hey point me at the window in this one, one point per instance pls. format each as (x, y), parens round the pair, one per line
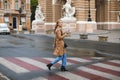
(6, 19)
(23, 20)
(16, 5)
(5, 4)
(22, 6)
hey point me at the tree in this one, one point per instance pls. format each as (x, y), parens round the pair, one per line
(34, 3)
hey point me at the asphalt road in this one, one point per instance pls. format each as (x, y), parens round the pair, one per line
(33, 49)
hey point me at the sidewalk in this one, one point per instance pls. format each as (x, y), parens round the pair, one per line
(113, 35)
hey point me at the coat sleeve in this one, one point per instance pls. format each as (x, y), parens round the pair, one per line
(59, 34)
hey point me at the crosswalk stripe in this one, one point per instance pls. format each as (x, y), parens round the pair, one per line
(34, 62)
(44, 60)
(115, 61)
(89, 75)
(117, 73)
(96, 72)
(23, 64)
(80, 59)
(39, 78)
(55, 77)
(72, 77)
(112, 63)
(99, 58)
(51, 59)
(73, 61)
(115, 68)
(12, 66)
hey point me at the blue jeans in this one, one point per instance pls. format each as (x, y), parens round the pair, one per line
(63, 58)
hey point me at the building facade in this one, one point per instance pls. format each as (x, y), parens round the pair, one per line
(108, 14)
(103, 11)
(108, 10)
(15, 13)
(53, 11)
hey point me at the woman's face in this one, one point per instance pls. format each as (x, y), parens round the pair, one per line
(60, 23)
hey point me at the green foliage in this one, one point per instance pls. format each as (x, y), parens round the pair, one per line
(34, 3)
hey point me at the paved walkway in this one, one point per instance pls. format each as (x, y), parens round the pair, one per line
(113, 35)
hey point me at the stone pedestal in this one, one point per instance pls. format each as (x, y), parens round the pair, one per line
(103, 38)
(50, 28)
(38, 26)
(86, 27)
(83, 36)
(32, 32)
(69, 27)
(113, 25)
(68, 19)
(69, 24)
(108, 25)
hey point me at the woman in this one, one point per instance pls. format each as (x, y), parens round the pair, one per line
(59, 48)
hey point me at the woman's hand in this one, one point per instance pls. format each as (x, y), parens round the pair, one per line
(66, 34)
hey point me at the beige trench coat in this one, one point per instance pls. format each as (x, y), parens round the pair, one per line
(59, 43)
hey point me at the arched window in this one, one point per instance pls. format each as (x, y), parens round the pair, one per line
(5, 4)
(16, 5)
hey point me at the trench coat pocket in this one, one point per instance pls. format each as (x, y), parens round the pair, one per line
(56, 51)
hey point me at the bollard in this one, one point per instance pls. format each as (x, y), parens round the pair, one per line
(83, 36)
(103, 38)
(49, 31)
(32, 32)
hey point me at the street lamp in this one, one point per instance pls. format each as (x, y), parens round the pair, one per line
(20, 11)
(89, 16)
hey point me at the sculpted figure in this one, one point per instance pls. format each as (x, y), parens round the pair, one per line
(39, 14)
(69, 11)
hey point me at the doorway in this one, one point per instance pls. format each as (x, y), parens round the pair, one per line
(14, 22)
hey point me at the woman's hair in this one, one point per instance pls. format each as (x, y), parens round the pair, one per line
(56, 25)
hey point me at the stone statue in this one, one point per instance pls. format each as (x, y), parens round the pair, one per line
(39, 14)
(38, 23)
(69, 11)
